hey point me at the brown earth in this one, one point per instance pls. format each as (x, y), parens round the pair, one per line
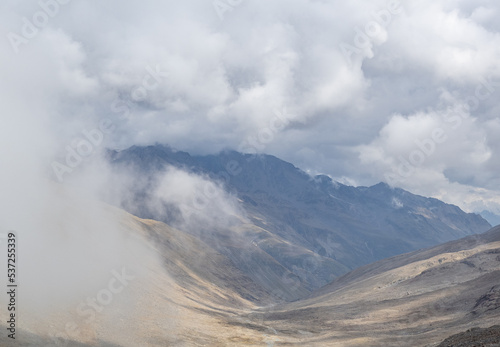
(475, 337)
(195, 296)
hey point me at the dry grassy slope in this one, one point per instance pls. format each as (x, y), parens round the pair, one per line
(195, 296)
(416, 299)
(185, 299)
(242, 244)
(330, 228)
(199, 268)
(388, 264)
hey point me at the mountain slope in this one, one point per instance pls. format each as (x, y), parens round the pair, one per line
(306, 230)
(416, 299)
(487, 337)
(186, 293)
(177, 291)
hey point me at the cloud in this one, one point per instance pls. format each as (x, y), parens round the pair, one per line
(176, 73)
(204, 204)
(441, 153)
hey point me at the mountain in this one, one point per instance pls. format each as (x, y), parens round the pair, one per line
(184, 292)
(487, 337)
(492, 218)
(302, 230)
(415, 299)
(176, 291)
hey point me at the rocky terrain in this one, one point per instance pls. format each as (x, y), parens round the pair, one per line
(189, 294)
(181, 294)
(302, 229)
(416, 299)
(487, 337)
(275, 262)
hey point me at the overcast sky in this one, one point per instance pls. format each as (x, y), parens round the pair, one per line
(364, 91)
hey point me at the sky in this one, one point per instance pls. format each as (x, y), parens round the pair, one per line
(363, 91)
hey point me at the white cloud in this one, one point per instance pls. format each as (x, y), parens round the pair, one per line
(203, 203)
(219, 81)
(435, 153)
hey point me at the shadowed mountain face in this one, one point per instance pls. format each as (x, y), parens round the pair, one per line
(195, 296)
(300, 230)
(492, 218)
(178, 290)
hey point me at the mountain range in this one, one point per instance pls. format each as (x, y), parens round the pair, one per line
(197, 296)
(248, 250)
(298, 230)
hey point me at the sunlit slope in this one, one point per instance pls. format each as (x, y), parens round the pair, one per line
(157, 286)
(415, 299)
(315, 228)
(179, 292)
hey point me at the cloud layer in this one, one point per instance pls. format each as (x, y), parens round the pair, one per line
(363, 85)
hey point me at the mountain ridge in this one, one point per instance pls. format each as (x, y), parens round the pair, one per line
(415, 299)
(189, 293)
(308, 230)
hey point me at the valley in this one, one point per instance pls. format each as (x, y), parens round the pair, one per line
(191, 294)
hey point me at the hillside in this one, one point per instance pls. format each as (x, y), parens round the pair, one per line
(166, 289)
(487, 337)
(307, 230)
(415, 299)
(183, 292)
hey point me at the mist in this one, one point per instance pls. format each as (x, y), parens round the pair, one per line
(81, 79)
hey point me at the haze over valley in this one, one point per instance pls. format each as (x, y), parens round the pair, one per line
(249, 173)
